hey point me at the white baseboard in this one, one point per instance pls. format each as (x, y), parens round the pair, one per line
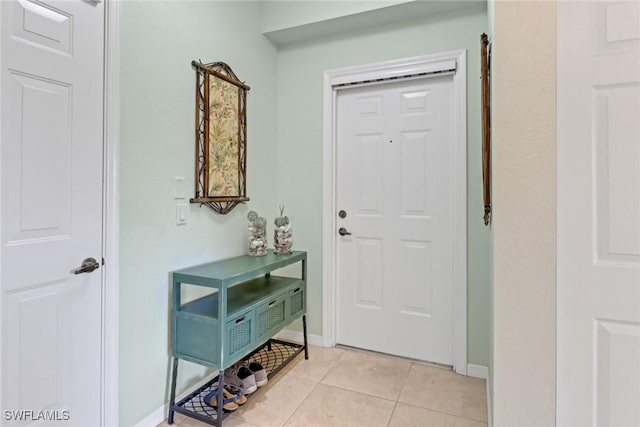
(160, 414)
(291, 335)
(477, 371)
(156, 417)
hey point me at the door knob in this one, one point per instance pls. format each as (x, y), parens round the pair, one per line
(343, 232)
(87, 266)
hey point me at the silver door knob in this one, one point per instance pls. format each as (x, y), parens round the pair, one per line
(343, 232)
(87, 266)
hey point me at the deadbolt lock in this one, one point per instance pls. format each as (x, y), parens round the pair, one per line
(342, 213)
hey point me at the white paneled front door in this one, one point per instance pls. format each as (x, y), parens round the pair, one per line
(51, 211)
(395, 186)
(598, 364)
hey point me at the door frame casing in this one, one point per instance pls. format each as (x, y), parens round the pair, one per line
(111, 220)
(382, 70)
(109, 415)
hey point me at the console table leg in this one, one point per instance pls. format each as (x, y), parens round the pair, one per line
(172, 401)
(304, 332)
(219, 409)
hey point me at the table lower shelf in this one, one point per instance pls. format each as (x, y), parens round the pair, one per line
(273, 356)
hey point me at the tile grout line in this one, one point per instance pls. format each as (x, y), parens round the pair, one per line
(335, 362)
(406, 379)
(393, 411)
(393, 356)
(429, 409)
(397, 401)
(360, 351)
(445, 413)
(300, 404)
(312, 389)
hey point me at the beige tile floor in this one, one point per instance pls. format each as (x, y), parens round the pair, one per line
(348, 387)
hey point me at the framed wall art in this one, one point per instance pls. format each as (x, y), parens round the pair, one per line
(221, 137)
(485, 68)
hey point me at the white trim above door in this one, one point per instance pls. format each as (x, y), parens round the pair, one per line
(437, 64)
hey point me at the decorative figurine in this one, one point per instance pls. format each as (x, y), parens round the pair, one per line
(257, 234)
(282, 240)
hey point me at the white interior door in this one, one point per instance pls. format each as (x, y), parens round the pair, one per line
(598, 364)
(395, 184)
(51, 211)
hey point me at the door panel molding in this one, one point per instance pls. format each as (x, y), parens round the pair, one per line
(455, 62)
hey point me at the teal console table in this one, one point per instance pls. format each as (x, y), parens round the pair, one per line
(237, 321)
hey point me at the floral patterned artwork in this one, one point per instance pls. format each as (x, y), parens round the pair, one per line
(223, 138)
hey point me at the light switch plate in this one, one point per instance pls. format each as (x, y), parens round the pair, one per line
(182, 212)
(179, 187)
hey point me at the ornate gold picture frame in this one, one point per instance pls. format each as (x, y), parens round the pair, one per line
(221, 137)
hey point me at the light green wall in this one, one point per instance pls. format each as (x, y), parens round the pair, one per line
(295, 21)
(300, 74)
(159, 41)
(278, 15)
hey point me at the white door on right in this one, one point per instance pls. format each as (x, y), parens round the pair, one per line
(598, 337)
(395, 186)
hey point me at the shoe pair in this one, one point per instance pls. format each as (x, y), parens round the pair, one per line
(247, 378)
(231, 399)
